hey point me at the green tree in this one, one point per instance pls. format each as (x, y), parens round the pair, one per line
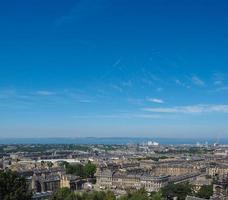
(76, 169)
(180, 190)
(50, 164)
(61, 194)
(64, 164)
(90, 170)
(13, 186)
(156, 196)
(67, 194)
(86, 171)
(110, 196)
(96, 195)
(206, 191)
(136, 195)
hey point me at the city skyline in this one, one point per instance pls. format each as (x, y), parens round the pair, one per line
(110, 68)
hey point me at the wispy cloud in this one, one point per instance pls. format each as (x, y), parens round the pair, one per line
(85, 101)
(225, 88)
(197, 81)
(45, 93)
(149, 78)
(218, 82)
(117, 87)
(147, 81)
(219, 78)
(79, 96)
(136, 101)
(154, 100)
(43, 98)
(127, 83)
(181, 83)
(119, 116)
(190, 109)
(117, 62)
(159, 89)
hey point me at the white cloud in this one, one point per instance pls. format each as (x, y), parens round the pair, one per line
(45, 93)
(197, 81)
(154, 100)
(192, 109)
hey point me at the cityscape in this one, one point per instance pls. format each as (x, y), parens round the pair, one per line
(113, 100)
(187, 171)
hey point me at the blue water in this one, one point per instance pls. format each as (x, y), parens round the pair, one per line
(110, 141)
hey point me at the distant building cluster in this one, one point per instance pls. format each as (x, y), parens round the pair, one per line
(120, 167)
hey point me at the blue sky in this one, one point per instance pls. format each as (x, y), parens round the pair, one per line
(154, 68)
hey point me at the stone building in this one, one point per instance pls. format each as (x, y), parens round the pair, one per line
(52, 180)
(151, 183)
(218, 169)
(200, 181)
(220, 190)
(172, 168)
(107, 178)
(175, 169)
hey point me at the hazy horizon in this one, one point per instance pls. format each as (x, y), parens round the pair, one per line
(114, 68)
(112, 140)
